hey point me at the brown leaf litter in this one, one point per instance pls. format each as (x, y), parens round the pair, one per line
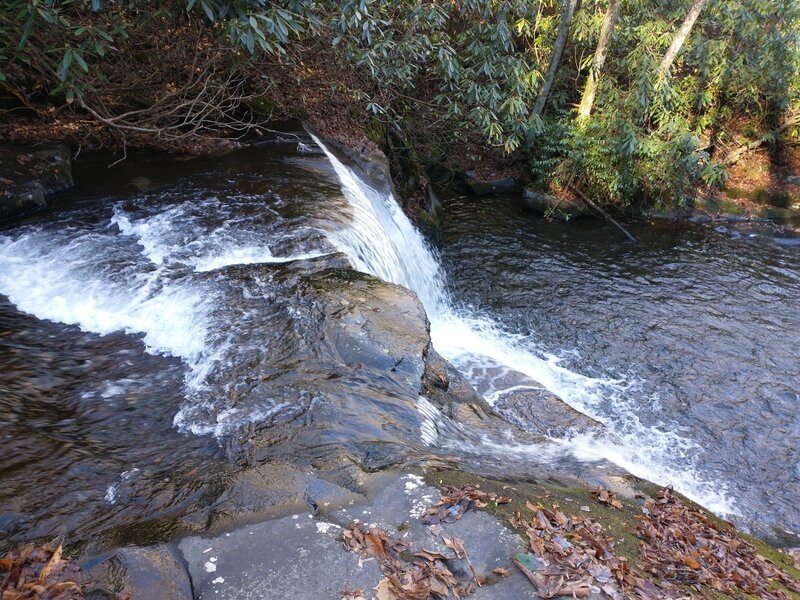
(682, 544)
(456, 502)
(41, 573)
(607, 497)
(424, 576)
(573, 556)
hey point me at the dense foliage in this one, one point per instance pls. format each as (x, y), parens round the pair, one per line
(456, 80)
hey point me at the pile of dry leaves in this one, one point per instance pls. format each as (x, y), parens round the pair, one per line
(607, 497)
(39, 573)
(456, 502)
(573, 556)
(423, 577)
(683, 545)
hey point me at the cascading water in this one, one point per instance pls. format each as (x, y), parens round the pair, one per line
(179, 300)
(382, 241)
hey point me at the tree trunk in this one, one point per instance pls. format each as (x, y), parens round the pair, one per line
(558, 49)
(680, 37)
(734, 156)
(600, 53)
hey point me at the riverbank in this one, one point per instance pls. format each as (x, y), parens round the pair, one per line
(262, 440)
(419, 535)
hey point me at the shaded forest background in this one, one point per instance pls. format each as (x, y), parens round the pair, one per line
(615, 99)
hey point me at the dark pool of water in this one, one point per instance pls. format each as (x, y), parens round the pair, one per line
(703, 327)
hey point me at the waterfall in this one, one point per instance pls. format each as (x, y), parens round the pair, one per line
(382, 241)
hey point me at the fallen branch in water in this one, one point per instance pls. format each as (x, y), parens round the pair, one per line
(607, 216)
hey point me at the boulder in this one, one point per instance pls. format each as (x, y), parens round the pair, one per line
(301, 556)
(541, 411)
(532, 407)
(561, 209)
(141, 573)
(28, 174)
(275, 489)
(21, 199)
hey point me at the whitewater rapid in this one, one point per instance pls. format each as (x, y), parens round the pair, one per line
(382, 241)
(137, 272)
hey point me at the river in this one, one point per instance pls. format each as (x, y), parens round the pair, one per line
(124, 344)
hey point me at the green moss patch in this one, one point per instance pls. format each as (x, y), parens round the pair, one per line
(573, 497)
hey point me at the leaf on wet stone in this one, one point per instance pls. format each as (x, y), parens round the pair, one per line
(40, 572)
(431, 555)
(425, 577)
(607, 497)
(457, 501)
(569, 553)
(456, 545)
(385, 591)
(602, 573)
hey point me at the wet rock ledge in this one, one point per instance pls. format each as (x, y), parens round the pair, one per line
(28, 174)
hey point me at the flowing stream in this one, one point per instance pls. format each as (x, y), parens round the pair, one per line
(155, 321)
(383, 242)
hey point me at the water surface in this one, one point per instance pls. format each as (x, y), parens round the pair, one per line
(701, 329)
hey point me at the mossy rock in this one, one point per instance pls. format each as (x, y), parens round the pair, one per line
(760, 195)
(573, 496)
(29, 173)
(560, 209)
(486, 187)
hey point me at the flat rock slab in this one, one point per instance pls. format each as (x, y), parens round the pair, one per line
(293, 557)
(302, 556)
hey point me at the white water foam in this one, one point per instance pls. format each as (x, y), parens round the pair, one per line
(129, 274)
(382, 241)
(163, 241)
(60, 280)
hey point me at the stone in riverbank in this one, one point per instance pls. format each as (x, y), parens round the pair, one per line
(485, 187)
(541, 411)
(28, 174)
(302, 555)
(560, 209)
(156, 572)
(355, 404)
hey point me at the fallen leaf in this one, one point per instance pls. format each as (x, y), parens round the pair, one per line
(385, 591)
(431, 556)
(456, 545)
(54, 560)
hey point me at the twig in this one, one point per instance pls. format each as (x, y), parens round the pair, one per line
(733, 156)
(611, 219)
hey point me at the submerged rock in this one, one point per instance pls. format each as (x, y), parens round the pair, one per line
(28, 174)
(20, 199)
(541, 411)
(561, 209)
(140, 572)
(275, 489)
